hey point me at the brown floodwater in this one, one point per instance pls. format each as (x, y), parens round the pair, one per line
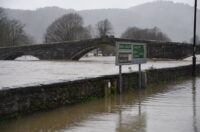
(169, 108)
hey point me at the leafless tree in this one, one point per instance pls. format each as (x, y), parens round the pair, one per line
(2, 25)
(145, 34)
(12, 32)
(2, 15)
(16, 34)
(68, 27)
(104, 28)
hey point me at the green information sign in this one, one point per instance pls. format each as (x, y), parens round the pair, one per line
(130, 53)
(138, 51)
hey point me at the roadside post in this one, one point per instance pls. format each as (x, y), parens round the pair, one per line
(139, 76)
(128, 53)
(120, 79)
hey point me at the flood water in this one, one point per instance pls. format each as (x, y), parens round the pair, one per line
(19, 73)
(169, 108)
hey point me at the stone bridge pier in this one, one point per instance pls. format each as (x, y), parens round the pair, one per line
(74, 50)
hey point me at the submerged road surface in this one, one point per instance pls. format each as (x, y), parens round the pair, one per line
(171, 108)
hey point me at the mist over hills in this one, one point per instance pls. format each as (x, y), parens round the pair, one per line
(174, 19)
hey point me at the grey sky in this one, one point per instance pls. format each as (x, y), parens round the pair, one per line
(77, 4)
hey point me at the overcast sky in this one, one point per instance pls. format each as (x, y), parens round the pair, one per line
(77, 4)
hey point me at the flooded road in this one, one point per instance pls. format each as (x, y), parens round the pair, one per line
(171, 108)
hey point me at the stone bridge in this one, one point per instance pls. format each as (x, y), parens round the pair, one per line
(74, 50)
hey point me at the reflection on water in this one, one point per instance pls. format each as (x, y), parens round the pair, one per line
(194, 105)
(173, 108)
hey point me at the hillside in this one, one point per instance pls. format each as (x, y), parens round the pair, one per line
(175, 19)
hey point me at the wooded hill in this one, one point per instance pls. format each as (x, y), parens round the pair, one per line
(174, 19)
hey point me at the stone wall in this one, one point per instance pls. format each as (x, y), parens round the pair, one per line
(30, 99)
(20, 101)
(169, 74)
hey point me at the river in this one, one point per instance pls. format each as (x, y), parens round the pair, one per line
(165, 108)
(19, 73)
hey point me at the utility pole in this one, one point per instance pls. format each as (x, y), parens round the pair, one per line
(194, 40)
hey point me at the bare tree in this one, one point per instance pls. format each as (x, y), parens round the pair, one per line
(145, 34)
(104, 28)
(12, 32)
(68, 27)
(16, 34)
(2, 16)
(2, 26)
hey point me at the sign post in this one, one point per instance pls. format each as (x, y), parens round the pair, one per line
(120, 78)
(139, 54)
(140, 76)
(130, 53)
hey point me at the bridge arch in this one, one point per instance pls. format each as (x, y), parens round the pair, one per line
(27, 58)
(78, 55)
(16, 55)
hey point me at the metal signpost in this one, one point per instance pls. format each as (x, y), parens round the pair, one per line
(130, 53)
(194, 41)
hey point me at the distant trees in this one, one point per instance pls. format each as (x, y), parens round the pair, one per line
(2, 16)
(145, 34)
(197, 40)
(104, 28)
(2, 25)
(15, 34)
(68, 27)
(12, 32)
